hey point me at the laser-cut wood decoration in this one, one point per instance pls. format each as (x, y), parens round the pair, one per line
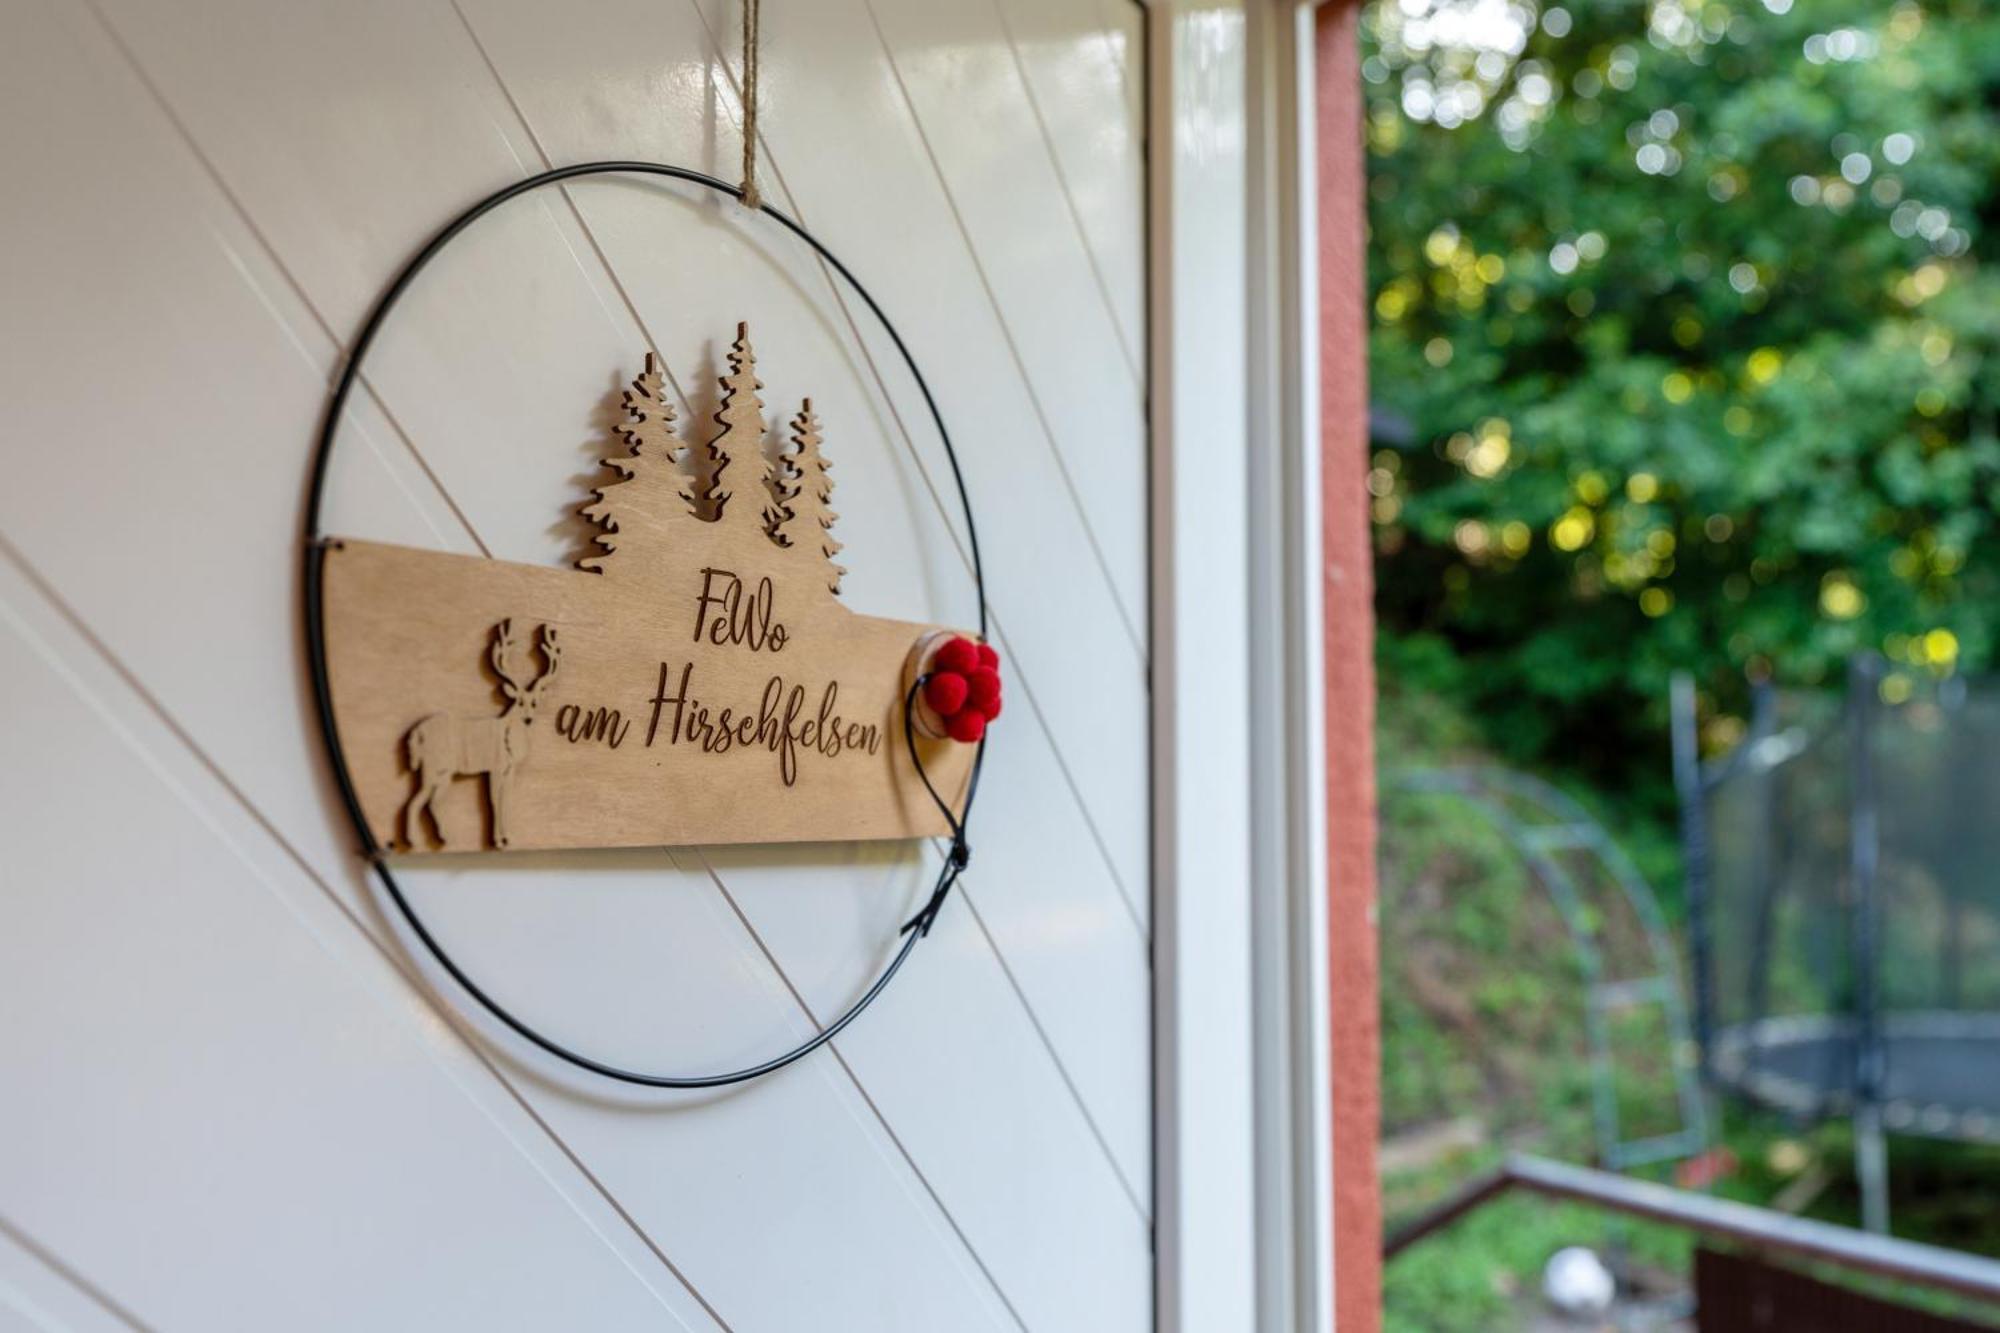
(696, 679)
(442, 747)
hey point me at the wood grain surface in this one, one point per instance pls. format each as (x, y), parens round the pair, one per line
(696, 680)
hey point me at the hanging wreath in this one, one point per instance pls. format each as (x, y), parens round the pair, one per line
(696, 678)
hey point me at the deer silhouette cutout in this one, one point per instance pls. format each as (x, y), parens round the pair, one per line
(442, 747)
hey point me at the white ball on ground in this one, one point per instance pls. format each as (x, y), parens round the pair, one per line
(1578, 1284)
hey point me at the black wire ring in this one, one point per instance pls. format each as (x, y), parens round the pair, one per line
(316, 545)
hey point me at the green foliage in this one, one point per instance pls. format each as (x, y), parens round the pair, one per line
(1482, 1023)
(1692, 328)
(1482, 1001)
(1685, 316)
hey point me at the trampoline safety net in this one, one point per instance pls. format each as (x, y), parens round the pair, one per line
(1844, 875)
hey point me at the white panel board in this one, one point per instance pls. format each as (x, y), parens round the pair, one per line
(978, 124)
(977, 1103)
(284, 159)
(840, 1136)
(1051, 599)
(1056, 915)
(1084, 74)
(39, 1296)
(236, 1123)
(1026, 804)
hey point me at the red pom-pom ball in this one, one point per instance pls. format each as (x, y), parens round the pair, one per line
(982, 689)
(991, 710)
(987, 657)
(966, 727)
(956, 655)
(945, 692)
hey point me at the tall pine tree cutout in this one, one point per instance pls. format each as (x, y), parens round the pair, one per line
(649, 497)
(741, 417)
(809, 526)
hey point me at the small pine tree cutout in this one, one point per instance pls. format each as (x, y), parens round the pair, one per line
(809, 526)
(783, 483)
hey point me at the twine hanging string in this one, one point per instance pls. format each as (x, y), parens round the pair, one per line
(751, 197)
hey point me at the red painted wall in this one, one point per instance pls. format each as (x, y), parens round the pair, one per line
(1350, 674)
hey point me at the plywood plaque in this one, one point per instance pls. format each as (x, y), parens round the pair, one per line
(696, 679)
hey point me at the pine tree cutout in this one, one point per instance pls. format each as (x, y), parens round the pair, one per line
(783, 482)
(741, 417)
(649, 494)
(809, 526)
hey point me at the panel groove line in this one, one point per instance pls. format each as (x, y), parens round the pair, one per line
(962, 74)
(483, 545)
(836, 288)
(1103, 284)
(443, 495)
(396, 958)
(952, 309)
(964, 890)
(249, 220)
(1066, 1069)
(119, 730)
(427, 990)
(1022, 680)
(1114, 14)
(853, 1076)
(1034, 1019)
(1102, 176)
(1037, 1021)
(1005, 320)
(103, 649)
(838, 293)
(971, 116)
(1064, 467)
(670, 373)
(97, 1301)
(1096, 1130)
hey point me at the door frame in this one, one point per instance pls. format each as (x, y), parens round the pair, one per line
(1242, 1076)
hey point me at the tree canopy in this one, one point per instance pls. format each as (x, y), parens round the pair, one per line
(1682, 352)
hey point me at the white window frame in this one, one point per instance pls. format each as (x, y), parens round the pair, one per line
(1242, 1078)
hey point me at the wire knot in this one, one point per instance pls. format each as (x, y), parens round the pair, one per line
(927, 915)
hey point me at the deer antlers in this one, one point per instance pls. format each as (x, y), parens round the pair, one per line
(502, 656)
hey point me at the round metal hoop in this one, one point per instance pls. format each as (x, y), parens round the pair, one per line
(316, 545)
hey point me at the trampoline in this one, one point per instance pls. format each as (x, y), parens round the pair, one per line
(1843, 875)
(1941, 1074)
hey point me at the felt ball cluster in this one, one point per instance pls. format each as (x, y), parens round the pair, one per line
(964, 688)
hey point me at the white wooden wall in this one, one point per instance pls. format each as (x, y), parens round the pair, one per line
(229, 1099)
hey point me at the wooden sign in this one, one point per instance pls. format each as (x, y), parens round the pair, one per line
(694, 680)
